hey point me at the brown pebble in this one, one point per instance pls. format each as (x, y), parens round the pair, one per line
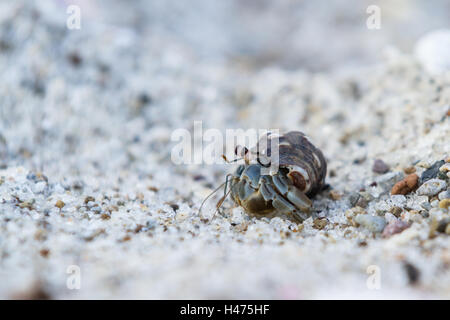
(445, 203)
(113, 208)
(151, 188)
(395, 226)
(362, 202)
(59, 204)
(40, 235)
(126, 238)
(74, 58)
(319, 224)
(242, 227)
(44, 252)
(433, 228)
(406, 185)
(335, 195)
(140, 196)
(379, 166)
(88, 199)
(26, 205)
(396, 211)
(105, 216)
(409, 170)
(362, 243)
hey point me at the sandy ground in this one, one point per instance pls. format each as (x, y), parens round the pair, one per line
(92, 206)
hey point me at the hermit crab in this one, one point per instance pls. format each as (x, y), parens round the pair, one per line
(300, 170)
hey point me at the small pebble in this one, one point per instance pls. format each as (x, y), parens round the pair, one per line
(406, 185)
(319, 224)
(335, 195)
(416, 202)
(445, 204)
(412, 272)
(96, 209)
(387, 180)
(379, 166)
(362, 202)
(237, 217)
(437, 213)
(59, 204)
(386, 205)
(174, 206)
(151, 188)
(432, 171)
(366, 195)
(353, 198)
(395, 226)
(44, 252)
(88, 199)
(151, 224)
(409, 170)
(444, 195)
(27, 204)
(105, 216)
(350, 213)
(443, 226)
(182, 216)
(75, 59)
(426, 205)
(445, 168)
(40, 186)
(396, 211)
(434, 203)
(423, 164)
(373, 223)
(432, 187)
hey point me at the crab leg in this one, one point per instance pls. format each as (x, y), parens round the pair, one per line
(278, 202)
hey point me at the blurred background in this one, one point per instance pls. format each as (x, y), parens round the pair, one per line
(315, 35)
(72, 86)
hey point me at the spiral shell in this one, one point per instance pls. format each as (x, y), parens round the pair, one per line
(306, 163)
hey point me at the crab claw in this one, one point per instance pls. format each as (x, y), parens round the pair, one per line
(300, 200)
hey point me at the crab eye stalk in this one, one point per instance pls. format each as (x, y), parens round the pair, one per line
(240, 151)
